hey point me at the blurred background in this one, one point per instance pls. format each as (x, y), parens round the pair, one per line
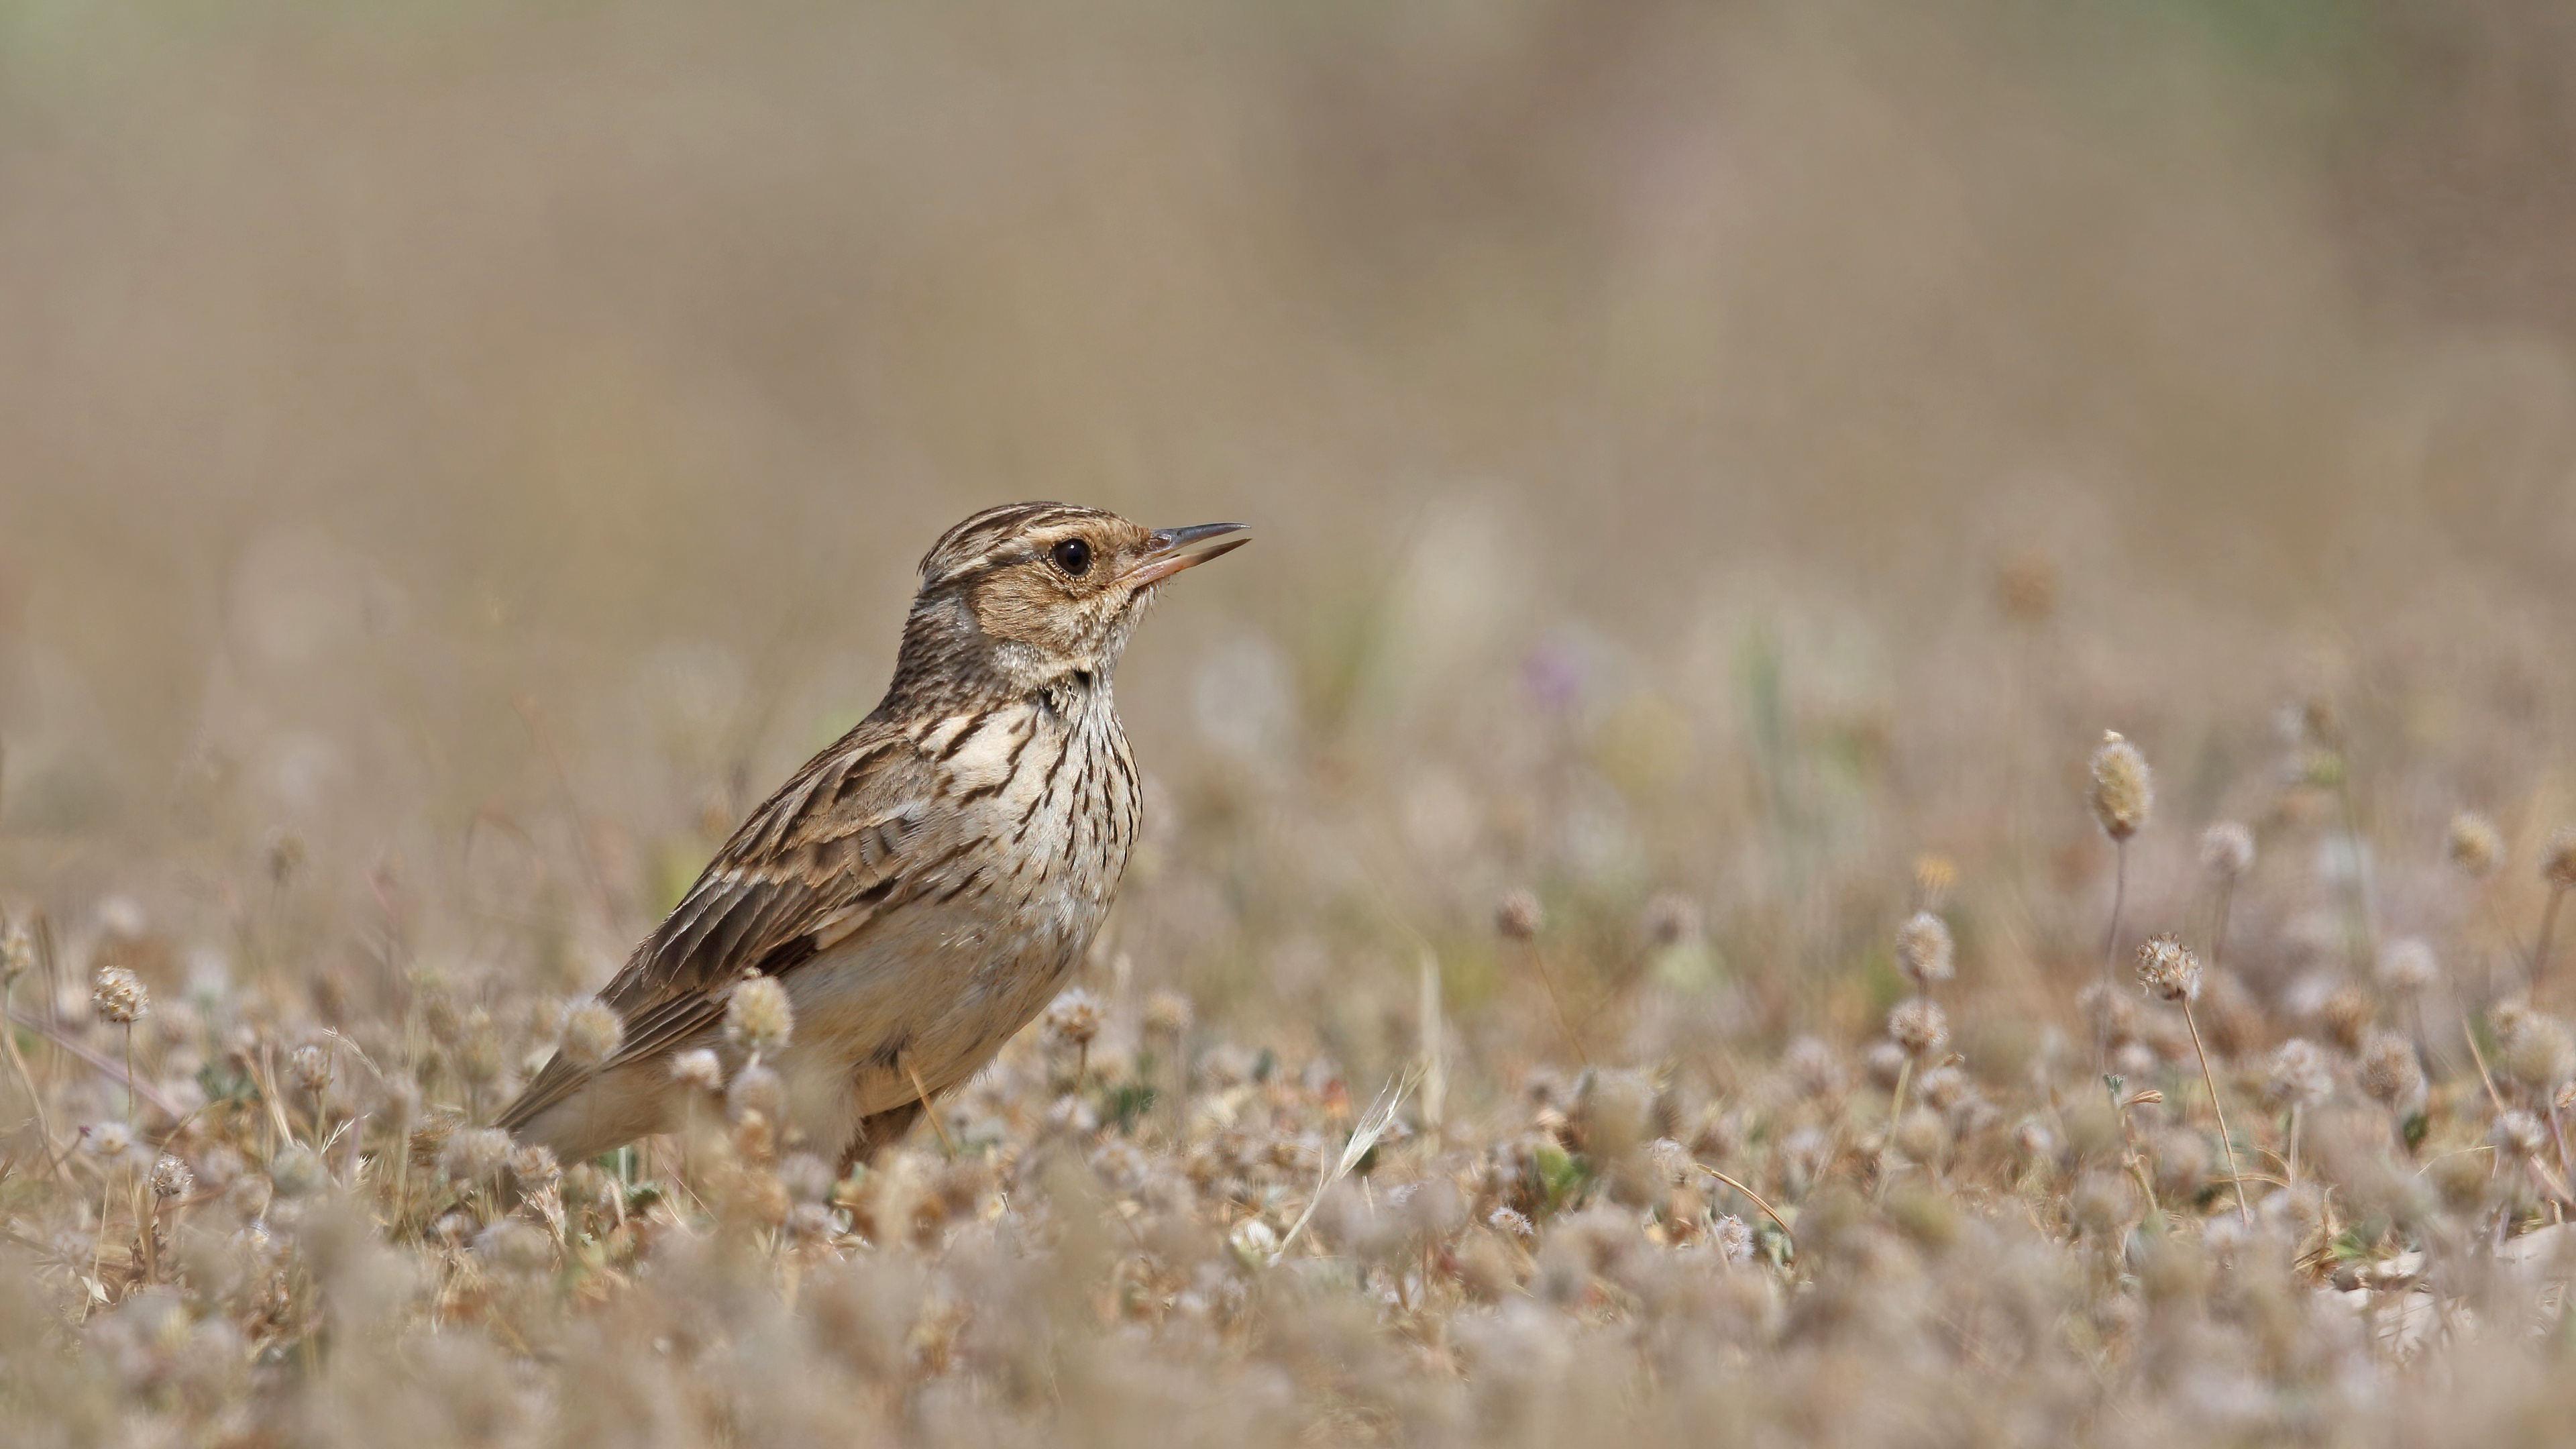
(455, 457)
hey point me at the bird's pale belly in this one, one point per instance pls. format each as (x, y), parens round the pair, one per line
(925, 1005)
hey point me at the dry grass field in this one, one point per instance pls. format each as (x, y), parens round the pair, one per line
(1629, 943)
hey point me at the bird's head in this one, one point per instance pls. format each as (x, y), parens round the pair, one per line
(1028, 594)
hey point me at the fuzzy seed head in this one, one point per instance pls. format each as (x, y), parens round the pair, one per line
(2299, 1075)
(534, 1167)
(1167, 1013)
(310, 1066)
(592, 1033)
(2124, 790)
(2558, 860)
(171, 1178)
(296, 1172)
(806, 1177)
(2168, 970)
(514, 1248)
(2476, 846)
(755, 1089)
(2517, 1136)
(1923, 1135)
(1920, 1027)
(2227, 850)
(758, 1018)
(1074, 1018)
(109, 1141)
(1925, 951)
(2346, 1016)
(119, 996)
(1519, 916)
(2538, 1051)
(1732, 1238)
(698, 1071)
(474, 1154)
(2391, 1074)
(2407, 967)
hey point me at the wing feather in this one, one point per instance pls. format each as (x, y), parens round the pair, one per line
(810, 869)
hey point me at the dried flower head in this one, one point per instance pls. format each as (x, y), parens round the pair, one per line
(1075, 1017)
(2032, 1139)
(2227, 850)
(1922, 1135)
(477, 1058)
(2407, 967)
(1811, 1067)
(592, 1033)
(2517, 1136)
(2477, 848)
(1919, 1025)
(1925, 951)
(474, 1154)
(1732, 1238)
(698, 1070)
(2558, 859)
(297, 1171)
(2167, 969)
(171, 1178)
(2390, 1073)
(806, 1177)
(2538, 1051)
(2346, 1014)
(2124, 790)
(758, 1018)
(1167, 1013)
(514, 1248)
(755, 1089)
(1519, 916)
(534, 1167)
(2299, 1075)
(119, 996)
(109, 1141)
(310, 1066)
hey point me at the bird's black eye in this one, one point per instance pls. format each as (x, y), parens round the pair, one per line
(1073, 556)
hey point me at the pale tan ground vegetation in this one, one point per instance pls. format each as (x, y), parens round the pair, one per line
(1640, 936)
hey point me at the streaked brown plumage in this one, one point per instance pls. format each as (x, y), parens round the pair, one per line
(922, 887)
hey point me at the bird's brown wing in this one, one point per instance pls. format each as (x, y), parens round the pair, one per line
(811, 868)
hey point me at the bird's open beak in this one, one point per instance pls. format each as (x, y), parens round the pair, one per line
(1174, 549)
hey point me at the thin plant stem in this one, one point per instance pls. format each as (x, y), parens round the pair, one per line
(129, 1072)
(2540, 949)
(1895, 1106)
(1573, 1038)
(2218, 931)
(1767, 1209)
(26, 1078)
(2494, 1097)
(2363, 938)
(2290, 1154)
(946, 1146)
(2111, 963)
(2226, 1139)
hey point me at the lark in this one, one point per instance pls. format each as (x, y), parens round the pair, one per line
(923, 887)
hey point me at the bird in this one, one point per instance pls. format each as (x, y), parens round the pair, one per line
(926, 884)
